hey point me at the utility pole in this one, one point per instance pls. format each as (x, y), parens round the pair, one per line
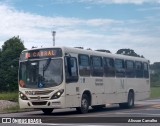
(54, 34)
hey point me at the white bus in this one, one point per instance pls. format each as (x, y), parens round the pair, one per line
(64, 77)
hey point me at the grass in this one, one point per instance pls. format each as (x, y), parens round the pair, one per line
(155, 92)
(10, 96)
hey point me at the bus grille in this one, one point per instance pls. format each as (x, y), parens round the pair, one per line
(35, 98)
(39, 103)
(43, 92)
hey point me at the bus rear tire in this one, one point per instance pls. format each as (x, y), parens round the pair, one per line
(130, 102)
(47, 111)
(84, 105)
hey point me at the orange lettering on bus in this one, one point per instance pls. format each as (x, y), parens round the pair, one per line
(34, 54)
(45, 53)
(28, 55)
(49, 53)
(38, 54)
(41, 53)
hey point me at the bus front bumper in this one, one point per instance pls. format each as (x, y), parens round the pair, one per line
(55, 103)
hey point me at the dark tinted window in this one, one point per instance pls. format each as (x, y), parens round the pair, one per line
(109, 70)
(139, 69)
(119, 66)
(71, 71)
(130, 71)
(43, 73)
(146, 70)
(84, 65)
(97, 69)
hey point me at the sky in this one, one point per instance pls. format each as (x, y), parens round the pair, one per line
(95, 24)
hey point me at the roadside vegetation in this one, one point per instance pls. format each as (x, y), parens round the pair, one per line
(155, 92)
(155, 80)
(14, 109)
(13, 97)
(10, 96)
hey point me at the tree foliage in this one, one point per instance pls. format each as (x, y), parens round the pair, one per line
(128, 52)
(155, 74)
(9, 58)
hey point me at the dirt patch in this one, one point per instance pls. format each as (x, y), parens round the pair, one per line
(4, 104)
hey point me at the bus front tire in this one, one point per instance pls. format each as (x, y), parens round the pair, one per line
(84, 105)
(130, 102)
(47, 111)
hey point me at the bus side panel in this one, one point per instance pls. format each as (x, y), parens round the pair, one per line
(121, 90)
(98, 91)
(140, 86)
(72, 96)
(95, 86)
(110, 90)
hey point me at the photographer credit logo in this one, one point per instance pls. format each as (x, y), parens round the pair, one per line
(22, 120)
(6, 120)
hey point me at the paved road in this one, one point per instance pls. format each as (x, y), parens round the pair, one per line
(148, 110)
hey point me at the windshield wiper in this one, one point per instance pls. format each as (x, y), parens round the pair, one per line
(47, 64)
(45, 67)
(41, 79)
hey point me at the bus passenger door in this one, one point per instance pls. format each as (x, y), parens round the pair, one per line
(120, 80)
(71, 78)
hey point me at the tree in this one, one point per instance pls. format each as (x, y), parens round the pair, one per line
(128, 52)
(155, 74)
(9, 58)
(1, 79)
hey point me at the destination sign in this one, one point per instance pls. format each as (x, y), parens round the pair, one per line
(41, 53)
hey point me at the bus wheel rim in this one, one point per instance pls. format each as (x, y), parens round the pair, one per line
(84, 104)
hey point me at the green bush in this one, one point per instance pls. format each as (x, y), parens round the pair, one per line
(155, 92)
(11, 96)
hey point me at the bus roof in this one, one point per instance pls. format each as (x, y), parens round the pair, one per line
(104, 54)
(93, 52)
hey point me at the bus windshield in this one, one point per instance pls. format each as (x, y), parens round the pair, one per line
(42, 73)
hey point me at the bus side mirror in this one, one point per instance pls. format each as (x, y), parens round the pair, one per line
(67, 69)
(71, 62)
(70, 69)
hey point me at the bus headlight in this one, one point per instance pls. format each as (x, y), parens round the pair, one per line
(23, 96)
(57, 94)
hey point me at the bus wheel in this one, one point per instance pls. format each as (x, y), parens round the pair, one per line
(84, 104)
(130, 102)
(47, 111)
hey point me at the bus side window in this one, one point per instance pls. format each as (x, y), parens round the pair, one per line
(84, 65)
(109, 70)
(97, 66)
(119, 65)
(146, 71)
(139, 69)
(130, 71)
(71, 71)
